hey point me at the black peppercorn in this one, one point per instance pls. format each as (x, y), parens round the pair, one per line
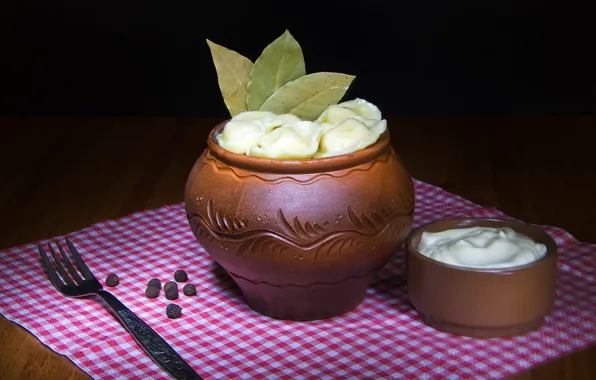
(173, 311)
(170, 284)
(155, 283)
(152, 292)
(189, 290)
(112, 280)
(180, 276)
(172, 293)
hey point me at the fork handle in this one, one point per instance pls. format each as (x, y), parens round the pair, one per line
(153, 344)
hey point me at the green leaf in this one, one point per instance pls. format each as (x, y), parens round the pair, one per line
(308, 96)
(233, 73)
(280, 62)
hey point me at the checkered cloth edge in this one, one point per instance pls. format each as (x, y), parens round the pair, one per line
(222, 338)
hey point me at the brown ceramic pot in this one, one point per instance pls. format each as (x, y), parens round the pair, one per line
(482, 303)
(302, 239)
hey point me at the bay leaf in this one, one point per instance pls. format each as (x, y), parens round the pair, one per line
(280, 62)
(308, 96)
(233, 74)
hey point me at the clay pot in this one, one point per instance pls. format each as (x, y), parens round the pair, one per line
(481, 303)
(302, 239)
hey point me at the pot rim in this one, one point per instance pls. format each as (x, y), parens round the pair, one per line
(313, 165)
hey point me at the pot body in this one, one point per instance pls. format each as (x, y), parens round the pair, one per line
(302, 239)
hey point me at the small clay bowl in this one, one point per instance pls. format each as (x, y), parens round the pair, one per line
(481, 303)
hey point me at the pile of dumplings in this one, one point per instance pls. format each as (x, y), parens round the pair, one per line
(341, 129)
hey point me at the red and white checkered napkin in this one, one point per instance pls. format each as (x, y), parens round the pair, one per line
(222, 338)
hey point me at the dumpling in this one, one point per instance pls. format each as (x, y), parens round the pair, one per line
(278, 121)
(244, 130)
(267, 121)
(352, 134)
(254, 116)
(298, 140)
(335, 114)
(363, 108)
(239, 136)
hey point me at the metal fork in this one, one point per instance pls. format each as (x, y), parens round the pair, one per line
(67, 280)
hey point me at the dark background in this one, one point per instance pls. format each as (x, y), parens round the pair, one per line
(410, 58)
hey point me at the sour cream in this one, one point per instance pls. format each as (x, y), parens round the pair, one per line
(481, 247)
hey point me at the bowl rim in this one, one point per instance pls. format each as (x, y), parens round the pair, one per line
(313, 165)
(551, 245)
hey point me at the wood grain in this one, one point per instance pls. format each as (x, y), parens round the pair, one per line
(61, 174)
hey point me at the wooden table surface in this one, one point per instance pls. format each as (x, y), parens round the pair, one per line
(61, 174)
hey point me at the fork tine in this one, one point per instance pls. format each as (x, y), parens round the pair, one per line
(71, 269)
(80, 263)
(54, 279)
(60, 266)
